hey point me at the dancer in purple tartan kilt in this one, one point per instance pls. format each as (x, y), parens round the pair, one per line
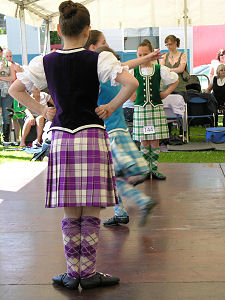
(81, 177)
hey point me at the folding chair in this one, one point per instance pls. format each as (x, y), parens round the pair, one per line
(175, 111)
(197, 109)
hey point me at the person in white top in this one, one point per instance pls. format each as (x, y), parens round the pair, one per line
(215, 63)
(33, 119)
(218, 87)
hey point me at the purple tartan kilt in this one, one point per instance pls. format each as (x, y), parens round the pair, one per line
(80, 170)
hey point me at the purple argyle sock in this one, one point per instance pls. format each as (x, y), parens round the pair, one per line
(71, 240)
(90, 227)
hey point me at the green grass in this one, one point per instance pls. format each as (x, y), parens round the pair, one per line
(193, 157)
(6, 155)
(197, 135)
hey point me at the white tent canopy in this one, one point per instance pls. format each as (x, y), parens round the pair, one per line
(124, 13)
(114, 14)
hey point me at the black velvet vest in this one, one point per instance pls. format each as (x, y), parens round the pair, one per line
(74, 87)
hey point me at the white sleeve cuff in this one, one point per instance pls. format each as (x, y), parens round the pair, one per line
(108, 67)
(167, 76)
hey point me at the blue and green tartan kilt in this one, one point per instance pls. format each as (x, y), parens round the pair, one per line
(149, 116)
(127, 159)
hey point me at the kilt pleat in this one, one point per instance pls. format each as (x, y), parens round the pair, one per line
(127, 159)
(149, 116)
(80, 170)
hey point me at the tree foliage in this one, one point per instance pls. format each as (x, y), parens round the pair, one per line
(2, 30)
(54, 38)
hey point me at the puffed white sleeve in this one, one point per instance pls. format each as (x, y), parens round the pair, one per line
(167, 76)
(108, 67)
(34, 74)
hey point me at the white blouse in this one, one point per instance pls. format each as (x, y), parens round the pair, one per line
(108, 67)
(220, 82)
(214, 65)
(167, 76)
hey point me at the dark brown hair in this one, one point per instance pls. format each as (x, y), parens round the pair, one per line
(173, 39)
(93, 38)
(146, 43)
(1, 50)
(73, 18)
(220, 53)
(105, 48)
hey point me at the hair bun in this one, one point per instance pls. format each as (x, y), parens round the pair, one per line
(146, 41)
(68, 9)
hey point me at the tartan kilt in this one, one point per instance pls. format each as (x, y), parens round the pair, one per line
(149, 116)
(80, 170)
(127, 159)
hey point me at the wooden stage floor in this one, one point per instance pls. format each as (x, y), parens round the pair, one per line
(178, 255)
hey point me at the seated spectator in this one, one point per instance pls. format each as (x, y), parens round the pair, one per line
(32, 119)
(218, 87)
(215, 63)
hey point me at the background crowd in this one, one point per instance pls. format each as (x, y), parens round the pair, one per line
(28, 126)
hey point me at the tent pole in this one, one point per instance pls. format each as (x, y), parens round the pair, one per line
(46, 36)
(23, 35)
(185, 25)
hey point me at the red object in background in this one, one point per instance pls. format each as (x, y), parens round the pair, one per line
(207, 41)
(56, 46)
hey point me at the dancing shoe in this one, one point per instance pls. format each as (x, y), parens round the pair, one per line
(98, 280)
(36, 144)
(116, 220)
(137, 179)
(65, 280)
(146, 211)
(159, 176)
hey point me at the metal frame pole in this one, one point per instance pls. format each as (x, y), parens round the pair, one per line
(185, 25)
(46, 36)
(23, 35)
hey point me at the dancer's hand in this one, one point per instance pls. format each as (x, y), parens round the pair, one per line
(49, 113)
(104, 111)
(155, 55)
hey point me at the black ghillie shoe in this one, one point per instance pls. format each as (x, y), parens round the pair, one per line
(146, 211)
(99, 280)
(158, 176)
(116, 220)
(149, 176)
(66, 281)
